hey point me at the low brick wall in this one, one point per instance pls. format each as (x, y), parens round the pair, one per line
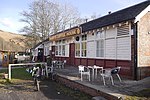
(143, 72)
(83, 88)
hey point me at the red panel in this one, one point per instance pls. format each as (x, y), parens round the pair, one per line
(90, 62)
(125, 72)
(84, 61)
(123, 63)
(67, 59)
(110, 63)
(125, 67)
(100, 62)
(77, 61)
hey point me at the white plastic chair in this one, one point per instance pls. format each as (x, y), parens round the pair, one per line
(63, 63)
(59, 64)
(115, 71)
(82, 71)
(108, 73)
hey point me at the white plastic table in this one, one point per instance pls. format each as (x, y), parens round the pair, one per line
(94, 71)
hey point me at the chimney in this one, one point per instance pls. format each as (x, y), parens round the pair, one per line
(109, 12)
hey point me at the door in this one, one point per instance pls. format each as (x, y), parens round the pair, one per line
(72, 53)
(40, 54)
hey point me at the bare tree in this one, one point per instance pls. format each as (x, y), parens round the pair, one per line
(46, 17)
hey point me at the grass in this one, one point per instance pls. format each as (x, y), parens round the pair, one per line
(140, 95)
(76, 94)
(21, 73)
(18, 75)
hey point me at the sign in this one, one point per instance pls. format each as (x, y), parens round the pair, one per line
(68, 33)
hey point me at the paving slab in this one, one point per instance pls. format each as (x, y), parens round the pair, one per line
(120, 89)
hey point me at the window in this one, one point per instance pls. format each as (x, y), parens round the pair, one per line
(83, 49)
(80, 46)
(100, 43)
(77, 49)
(100, 48)
(83, 45)
(77, 38)
(63, 50)
(60, 48)
(100, 34)
(46, 50)
(84, 37)
(63, 47)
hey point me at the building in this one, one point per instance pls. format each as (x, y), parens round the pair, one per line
(41, 50)
(6, 57)
(121, 39)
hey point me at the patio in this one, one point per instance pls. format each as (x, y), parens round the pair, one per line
(70, 77)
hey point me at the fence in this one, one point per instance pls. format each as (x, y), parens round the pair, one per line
(25, 64)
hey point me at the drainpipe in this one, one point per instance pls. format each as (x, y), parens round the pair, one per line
(135, 31)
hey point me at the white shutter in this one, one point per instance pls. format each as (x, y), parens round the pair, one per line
(111, 33)
(91, 50)
(110, 49)
(123, 30)
(124, 48)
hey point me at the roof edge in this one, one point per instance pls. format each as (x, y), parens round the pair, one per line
(138, 17)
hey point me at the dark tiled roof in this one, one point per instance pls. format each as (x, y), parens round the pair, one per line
(65, 30)
(40, 43)
(123, 15)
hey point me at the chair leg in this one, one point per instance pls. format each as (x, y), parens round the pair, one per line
(96, 73)
(52, 69)
(112, 80)
(118, 77)
(89, 78)
(103, 80)
(81, 77)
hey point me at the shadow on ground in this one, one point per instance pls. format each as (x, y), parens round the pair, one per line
(49, 90)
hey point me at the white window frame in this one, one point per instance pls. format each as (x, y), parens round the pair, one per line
(81, 41)
(61, 48)
(77, 50)
(100, 36)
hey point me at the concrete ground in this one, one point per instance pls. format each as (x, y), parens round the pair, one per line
(26, 91)
(120, 89)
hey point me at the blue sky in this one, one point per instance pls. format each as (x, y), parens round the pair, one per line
(10, 10)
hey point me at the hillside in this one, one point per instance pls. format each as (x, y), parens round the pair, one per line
(11, 41)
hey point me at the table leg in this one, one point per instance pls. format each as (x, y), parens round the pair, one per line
(96, 73)
(92, 74)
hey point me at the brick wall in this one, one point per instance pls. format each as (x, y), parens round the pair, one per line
(144, 45)
(144, 41)
(83, 88)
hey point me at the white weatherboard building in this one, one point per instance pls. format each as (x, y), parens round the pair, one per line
(121, 39)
